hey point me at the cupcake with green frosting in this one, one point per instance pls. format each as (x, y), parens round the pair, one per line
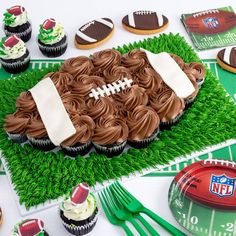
(52, 39)
(15, 22)
(79, 212)
(14, 56)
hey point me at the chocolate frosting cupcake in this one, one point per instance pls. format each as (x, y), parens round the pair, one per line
(116, 73)
(150, 80)
(132, 97)
(135, 60)
(61, 80)
(196, 69)
(84, 126)
(167, 104)
(26, 102)
(77, 66)
(73, 103)
(18, 122)
(100, 107)
(105, 60)
(110, 130)
(36, 128)
(178, 60)
(195, 84)
(142, 123)
(84, 83)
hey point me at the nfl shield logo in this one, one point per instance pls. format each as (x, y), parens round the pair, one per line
(222, 185)
(211, 22)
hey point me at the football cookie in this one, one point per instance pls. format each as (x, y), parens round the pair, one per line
(211, 22)
(226, 58)
(144, 22)
(94, 33)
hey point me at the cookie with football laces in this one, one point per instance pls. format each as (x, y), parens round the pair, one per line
(226, 58)
(94, 33)
(145, 22)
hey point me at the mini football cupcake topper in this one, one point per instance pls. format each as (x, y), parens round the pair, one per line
(49, 24)
(31, 227)
(80, 193)
(16, 10)
(11, 41)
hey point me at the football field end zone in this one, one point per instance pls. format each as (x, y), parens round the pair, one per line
(48, 204)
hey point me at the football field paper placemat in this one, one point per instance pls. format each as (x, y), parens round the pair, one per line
(209, 121)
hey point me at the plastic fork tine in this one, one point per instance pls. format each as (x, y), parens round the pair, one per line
(109, 195)
(104, 206)
(124, 190)
(122, 198)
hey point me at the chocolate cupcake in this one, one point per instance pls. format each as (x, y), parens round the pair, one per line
(80, 142)
(135, 61)
(132, 97)
(37, 134)
(29, 227)
(190, 99)
(16, 125)
(52, 39)
(26, 102)
(105, 60)
(110, 135)
(143, 123)
(79, 212)
(14, 56)
(168, 106)
(77, 66)
(100, 107)
(16, 23)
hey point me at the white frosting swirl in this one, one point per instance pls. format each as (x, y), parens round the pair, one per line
(20, 19)
(80, 211)
(15, 52)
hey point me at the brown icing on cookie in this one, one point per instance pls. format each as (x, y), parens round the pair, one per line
(228, 56)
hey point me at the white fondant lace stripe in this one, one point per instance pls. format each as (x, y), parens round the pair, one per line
(52, 111)
(159, 19)
(105, 22)
(205, 12)
(171, 73)
(226, 57)
(86, 37)
(131, 20)
(109, 89)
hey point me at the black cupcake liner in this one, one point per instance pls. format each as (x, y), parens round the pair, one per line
(82, 227)
(54, 50)
(23, 32)
(17, 138)
(111, 149)
(18, 65)
(78, 149)
(189, 103)
(167, 125)
(145, 142)
(44, 144)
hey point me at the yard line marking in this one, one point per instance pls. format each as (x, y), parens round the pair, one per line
(211, 222)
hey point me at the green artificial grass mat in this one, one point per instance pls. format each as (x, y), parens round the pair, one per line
(39, 176)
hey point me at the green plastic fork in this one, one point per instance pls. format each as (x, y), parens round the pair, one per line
(112, 218)
(133, 205)
(122, 214)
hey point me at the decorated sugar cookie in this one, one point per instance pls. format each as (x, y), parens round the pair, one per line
(94, 33)
(145, 22)
(226, 58)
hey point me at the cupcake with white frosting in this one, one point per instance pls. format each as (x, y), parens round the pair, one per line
(14, 56)
(79, 211)
(52, 39)
(16, 23)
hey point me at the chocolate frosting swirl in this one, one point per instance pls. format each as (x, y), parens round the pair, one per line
(198, 70)
(17, 122)
(142, 122)
(77, 66)
(110, 130)
(149, 79)
(84, 126)
(167, 104)
(36, 128)
(178, 60)
(195, 85)
(100, 107)
(73, 103)
(61, 80)
(84, 83)
(131, 97)
(135, 60)
(26, 102)
(116, 73)
(105, 60)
